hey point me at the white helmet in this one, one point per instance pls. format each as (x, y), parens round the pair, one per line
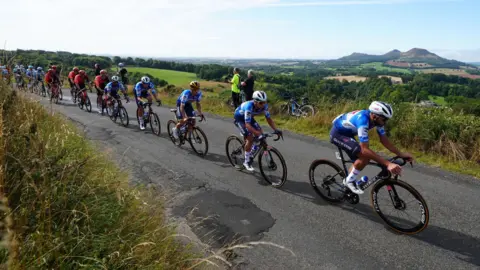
(145, 79)
(120, 64)
(259, 96)
(115, 78)
(381, 108)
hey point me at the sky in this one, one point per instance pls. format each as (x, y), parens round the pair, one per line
(311, 29)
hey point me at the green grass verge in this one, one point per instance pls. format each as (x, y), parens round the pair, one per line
(445, 153)
(70, 206)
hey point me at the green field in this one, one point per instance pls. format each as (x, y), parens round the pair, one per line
(439, 100)
(171, 76)
(379, 66)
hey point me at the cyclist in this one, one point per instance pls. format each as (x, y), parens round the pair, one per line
(184, 105)
(38, 77)
(97, 69)
(247, 125)
(144, 89)
(100, 82)
(80, 80)
(71, 77)
(123, 73)
(50, 78)
(111, 90)
(359, 122)
(30, 75)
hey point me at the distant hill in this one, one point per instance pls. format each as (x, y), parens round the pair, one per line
(414, 58)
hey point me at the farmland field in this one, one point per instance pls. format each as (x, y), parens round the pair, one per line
(171, 76)
(179, 78)
(437, 99)
(449, 71)
(351, 78)
(379, 66)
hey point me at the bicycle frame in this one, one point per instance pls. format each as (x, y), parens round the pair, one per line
(263, 145)
(376, 178)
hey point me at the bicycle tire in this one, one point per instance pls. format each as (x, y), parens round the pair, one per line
(426, 214)
(204, 138)
(313, 183)
(227, 150)
(170, 125)
(124, 120)
(156, 119)
(113, 112)
(88, 104)
(310, 108)
(60, 93)
(271, 149)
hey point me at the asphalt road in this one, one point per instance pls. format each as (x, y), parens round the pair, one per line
(220, 203)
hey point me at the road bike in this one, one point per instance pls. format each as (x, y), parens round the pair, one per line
(293, 108)
(236, 156)
(149, 116)
(188, 132)
(55, 92)
(84, 100)
(333, 182)
(115, 109)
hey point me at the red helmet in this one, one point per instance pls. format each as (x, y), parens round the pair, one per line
(54, 67)
(103, 71)
(82, 72)
(75, 69)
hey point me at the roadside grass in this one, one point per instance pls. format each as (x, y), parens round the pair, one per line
(171, 76)
(437, 137)
(69, 205)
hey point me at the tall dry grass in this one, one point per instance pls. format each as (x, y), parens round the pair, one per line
(69, 206)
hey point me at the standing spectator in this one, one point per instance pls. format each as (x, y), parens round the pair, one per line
(248, 86)
(235, 88)
(97, 69)
(123, 74)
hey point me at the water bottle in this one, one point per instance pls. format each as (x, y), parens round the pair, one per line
(254, 148)
(362, 182)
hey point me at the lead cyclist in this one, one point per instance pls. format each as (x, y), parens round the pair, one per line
(347, 125)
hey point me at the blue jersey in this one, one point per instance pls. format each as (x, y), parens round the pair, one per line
(39, 75)
(30, 72)
(246, 111)
(356, 123)
(114, 88)
(187, 97)
(139, 88)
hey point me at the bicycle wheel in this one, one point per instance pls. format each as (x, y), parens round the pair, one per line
(155, 122)
(400, 204)
(268, 154)
(123, 116)
(307, 111)
(235, 153)
(88, 104)
(60, 93)
(332, 178)
(195, 138)
(170, 125)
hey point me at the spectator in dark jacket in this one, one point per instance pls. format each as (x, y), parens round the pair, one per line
(248, 85)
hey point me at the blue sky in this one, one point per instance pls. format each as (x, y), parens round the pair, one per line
(260, 28)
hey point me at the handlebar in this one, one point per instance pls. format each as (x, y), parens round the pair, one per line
(202, 118)
(400, 161)
(271, 134)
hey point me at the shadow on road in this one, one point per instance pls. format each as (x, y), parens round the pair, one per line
(466, 246)
(303, 190)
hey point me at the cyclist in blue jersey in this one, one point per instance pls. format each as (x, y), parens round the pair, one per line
(247, 125)
(111, 90)
(184, 105)
(144, 89)
(359, 122)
